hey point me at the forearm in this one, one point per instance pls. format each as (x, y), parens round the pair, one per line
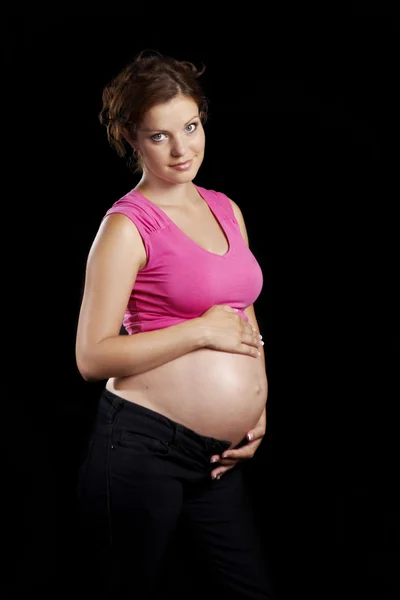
(127, 355)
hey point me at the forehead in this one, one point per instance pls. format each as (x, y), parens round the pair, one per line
(173, 113)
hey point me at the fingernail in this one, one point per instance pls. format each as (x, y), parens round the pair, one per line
(213, 460)
(249, 436)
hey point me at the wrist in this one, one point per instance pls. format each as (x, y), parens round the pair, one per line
(200, 333)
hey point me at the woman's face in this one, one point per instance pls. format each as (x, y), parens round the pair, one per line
(171, 141)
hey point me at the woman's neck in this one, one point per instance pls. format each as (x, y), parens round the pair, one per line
(168, 195)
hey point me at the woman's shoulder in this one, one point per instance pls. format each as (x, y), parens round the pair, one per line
(221, 199)
(218, 197)
(141, 212)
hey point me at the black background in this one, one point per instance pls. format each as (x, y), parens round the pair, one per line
(303, 135)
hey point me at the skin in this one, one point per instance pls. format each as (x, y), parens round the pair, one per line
(159, 149)
(230, 458)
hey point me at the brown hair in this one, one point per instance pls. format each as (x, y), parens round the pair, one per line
(143, 83)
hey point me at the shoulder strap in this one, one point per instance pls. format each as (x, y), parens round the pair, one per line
(222, 202)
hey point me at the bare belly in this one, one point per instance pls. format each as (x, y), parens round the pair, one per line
(216, 394)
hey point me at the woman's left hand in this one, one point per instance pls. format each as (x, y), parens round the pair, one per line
(233, 456)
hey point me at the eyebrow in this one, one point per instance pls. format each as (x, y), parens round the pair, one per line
(160, 130)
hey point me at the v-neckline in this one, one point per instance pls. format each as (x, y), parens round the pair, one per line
(157, 207)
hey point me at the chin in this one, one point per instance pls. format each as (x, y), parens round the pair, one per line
(186, 176)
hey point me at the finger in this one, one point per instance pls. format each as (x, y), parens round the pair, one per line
(256, 433)
(217, 473)
(239, 457)
(230, 460)
(252, 340)
(223, 461)
(234, 453)
(242, 453)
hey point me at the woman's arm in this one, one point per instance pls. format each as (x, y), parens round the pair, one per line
(101, 352)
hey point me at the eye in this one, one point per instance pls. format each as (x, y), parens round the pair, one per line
(157, 137)
(191, 128)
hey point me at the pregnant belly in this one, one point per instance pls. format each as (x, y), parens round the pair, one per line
(217, 394)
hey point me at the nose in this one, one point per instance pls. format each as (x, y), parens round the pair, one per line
(178, 146)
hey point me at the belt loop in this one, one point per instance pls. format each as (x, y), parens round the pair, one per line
(176, 433)
(116, 404)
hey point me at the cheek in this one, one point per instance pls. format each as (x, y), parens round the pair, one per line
(155, 158)
(199, 143)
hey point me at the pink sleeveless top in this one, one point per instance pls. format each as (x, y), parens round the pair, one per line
(182, 280)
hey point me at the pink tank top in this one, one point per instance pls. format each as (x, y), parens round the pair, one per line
(182, 280)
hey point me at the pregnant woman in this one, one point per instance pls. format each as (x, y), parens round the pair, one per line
(184, 403)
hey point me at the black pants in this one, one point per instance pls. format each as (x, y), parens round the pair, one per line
(142, 476)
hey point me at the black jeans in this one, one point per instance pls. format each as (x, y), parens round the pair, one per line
(141, 477)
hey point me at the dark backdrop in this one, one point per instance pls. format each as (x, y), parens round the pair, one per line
(302, 134)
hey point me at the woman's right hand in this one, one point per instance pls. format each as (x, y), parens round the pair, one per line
(226, 331)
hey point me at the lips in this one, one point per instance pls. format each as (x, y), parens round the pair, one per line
(182, 166)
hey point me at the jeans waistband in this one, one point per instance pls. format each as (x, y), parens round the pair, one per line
(145, 420)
